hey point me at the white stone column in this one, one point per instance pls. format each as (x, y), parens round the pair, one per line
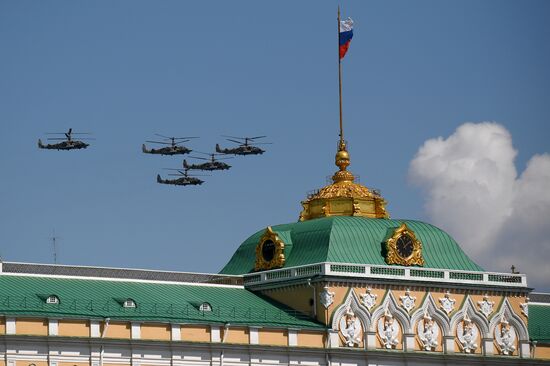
(94, 329)
(488, 346)
(333, 341)
(176, 332)
(524, 349)
(254, 335)
(10, 326)
(215, 336)
(292, 337)
(409, 342)
(449, 346)
(136, 331)
(371, 340)
(53, 327)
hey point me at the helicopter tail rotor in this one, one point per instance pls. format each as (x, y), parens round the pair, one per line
(40, 144)
(159, 179)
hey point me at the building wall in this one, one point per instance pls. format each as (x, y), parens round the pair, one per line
(73, 328)
(160, 332)
(542, 351)
(195, 333)
(31, 326)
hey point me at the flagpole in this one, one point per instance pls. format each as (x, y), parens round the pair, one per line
(340, 84)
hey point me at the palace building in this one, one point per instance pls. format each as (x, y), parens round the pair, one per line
(344, 285)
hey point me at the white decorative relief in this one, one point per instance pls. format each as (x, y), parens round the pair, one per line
(447, 304)
(327, 297)
(525, 307)
(486, 306)
(408, 301)
(369, 299)
(505, 335)
(467, 334)
(388, 330)
(428, 332)
(350, 328)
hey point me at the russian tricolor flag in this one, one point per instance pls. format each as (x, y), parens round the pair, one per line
(345, 35)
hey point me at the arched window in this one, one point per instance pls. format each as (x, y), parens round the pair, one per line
(52, 299)
(129, 303)
(205, 307)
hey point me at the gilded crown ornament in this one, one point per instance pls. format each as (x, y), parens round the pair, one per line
(343, 197)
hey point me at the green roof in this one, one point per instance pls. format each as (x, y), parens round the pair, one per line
(539, 323)
(161, 302)
(347, 239)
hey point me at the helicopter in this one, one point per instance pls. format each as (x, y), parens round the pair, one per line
(174, 147)
(67, 144)
(211, 164)
(246, 146)
(184, 179)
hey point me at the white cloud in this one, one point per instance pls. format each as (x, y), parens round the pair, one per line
(473, 192)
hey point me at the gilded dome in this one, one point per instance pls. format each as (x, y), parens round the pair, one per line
(343, 197)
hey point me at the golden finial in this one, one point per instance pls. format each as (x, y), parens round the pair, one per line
(342, 161)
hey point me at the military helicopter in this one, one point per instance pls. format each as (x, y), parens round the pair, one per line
(67, 144)
(174, 147)
(246, 146)
(184, 179)
(211, 164)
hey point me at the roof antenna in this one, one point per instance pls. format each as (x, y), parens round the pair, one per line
(54, 246)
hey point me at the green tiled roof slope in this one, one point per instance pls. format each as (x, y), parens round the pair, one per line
(539, 323)
(351, 240)
(178, 303)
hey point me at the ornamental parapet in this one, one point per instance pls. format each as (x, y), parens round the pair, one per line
(406, 274)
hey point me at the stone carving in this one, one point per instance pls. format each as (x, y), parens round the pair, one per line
(428, 332)
(407, 301)
(505, 337)
(388, 330)
(467, 334)
(525, 307)
(369, 299)
(486, 306)
(447, 304)
(327, 297)
(350, 328)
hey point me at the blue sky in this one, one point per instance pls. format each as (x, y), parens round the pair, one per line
(125, 70)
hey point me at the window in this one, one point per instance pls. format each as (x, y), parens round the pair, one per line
(52, 299)
(129, 303)
(205, 307)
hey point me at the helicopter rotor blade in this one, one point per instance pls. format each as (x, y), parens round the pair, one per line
(56, 138)
(158, 142)
(233, 137)
(238, 142)
(257, 137)
(199, 157)
(185, 138)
